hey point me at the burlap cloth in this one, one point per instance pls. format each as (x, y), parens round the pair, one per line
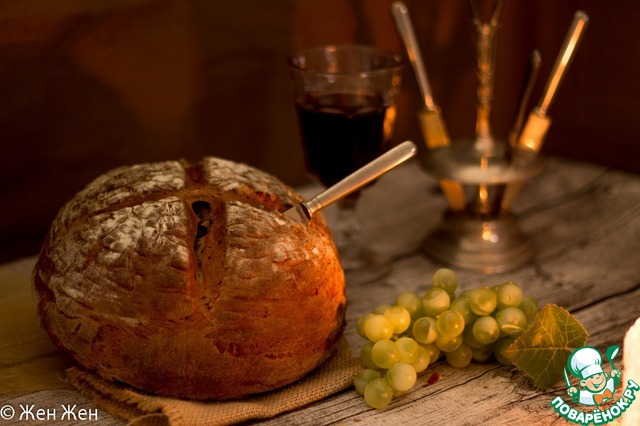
(335, 374)
(29, 363)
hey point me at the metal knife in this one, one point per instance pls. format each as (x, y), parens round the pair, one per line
(304, 211)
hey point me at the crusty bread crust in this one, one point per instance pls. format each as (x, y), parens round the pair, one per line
(186, 280)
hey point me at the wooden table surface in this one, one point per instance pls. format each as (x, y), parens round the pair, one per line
(584, 221)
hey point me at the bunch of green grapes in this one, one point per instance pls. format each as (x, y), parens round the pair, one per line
(405, 338)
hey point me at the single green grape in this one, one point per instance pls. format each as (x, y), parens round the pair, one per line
(447, 280)
(499, 348)
(378, 393)
(448, 343)
(378, 327)
(460, 357)
(365, 355)
(363, 377)
(483, 353)
(408, 350)
(434, 352)
(435, 302)
(512, 321)
(360, 324)
(483, 301)
(461, 304)
(401, 376)
(398, 394)
(411, 302)
(450, 323)
(399, 317)
(465, 294)
(381, 309)
(469, 339)
(529, 306)
(423, 361)
(486, 330)
(509, 295)
(385, 353)
(424, 330)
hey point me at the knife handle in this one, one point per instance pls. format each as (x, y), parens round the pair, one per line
(362, 176)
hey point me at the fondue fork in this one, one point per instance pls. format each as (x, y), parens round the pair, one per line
(432, 125)
(531, 74)
(538, 122)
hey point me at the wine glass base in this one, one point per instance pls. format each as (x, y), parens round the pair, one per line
(478, 243)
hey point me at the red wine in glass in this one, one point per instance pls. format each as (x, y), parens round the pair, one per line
(342, 132)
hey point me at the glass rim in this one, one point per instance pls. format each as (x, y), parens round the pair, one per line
(396, 58)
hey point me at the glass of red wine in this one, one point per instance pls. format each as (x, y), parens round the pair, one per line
(345, 101)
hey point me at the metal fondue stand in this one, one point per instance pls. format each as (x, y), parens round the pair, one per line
(478, 238)
(484, 235)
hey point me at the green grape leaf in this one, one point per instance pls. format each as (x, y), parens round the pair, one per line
(542, 351)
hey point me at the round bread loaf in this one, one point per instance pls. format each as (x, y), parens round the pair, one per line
(186, 280)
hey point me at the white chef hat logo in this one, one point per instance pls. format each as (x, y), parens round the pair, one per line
(585, 362)
(596, 387)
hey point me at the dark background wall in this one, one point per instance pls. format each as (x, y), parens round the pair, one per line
(88, 86)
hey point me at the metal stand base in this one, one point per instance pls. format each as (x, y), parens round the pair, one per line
(480, 243)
